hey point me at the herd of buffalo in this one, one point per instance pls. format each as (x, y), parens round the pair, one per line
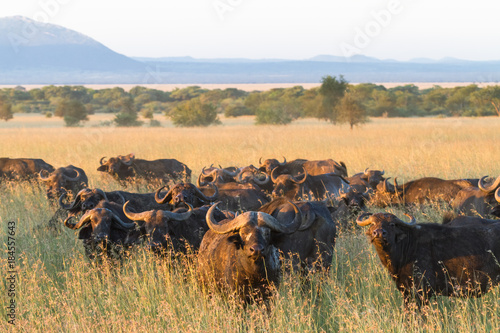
(241, 221)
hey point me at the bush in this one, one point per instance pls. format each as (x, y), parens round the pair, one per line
(154, 123)
(194, 113)
(274, 113)
(237, 110)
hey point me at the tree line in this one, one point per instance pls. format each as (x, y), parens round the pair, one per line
(335, 101)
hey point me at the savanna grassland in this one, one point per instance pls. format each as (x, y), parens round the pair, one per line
(59, 291)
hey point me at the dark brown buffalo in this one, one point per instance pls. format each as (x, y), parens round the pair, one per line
(250, 174)
(299, 166)
(105, 231)
(430, 259)
(241, 197)
(460, 220)
(369, 179)
(182, 230)
(187, 193)
(482, 200)
(238, 255)
(310, 247)
(216, 175)
(65, 179)
(308, 187)
(22, 168)
(419, 191)
(128, 168)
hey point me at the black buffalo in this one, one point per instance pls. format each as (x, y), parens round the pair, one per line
(430, 259)
(238, 255)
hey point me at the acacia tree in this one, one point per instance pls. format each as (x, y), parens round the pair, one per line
(351, 109)
(72, 111)
(332, 90)
(5, 109)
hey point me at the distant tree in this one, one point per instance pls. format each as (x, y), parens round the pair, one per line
(194, 113)
(5, 109)
(383, 103)
(351, 109)
(332, 90)
(72, 111)
(459, 100)
(488, 98)
(127, 117)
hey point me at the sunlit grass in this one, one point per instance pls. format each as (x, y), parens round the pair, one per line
(59, 290)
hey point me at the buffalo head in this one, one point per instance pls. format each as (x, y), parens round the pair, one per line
(119, 167)
(62, 180)
(187, 193)
(156, 224)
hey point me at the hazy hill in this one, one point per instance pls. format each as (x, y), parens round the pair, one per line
(27, 44)
(34, 53)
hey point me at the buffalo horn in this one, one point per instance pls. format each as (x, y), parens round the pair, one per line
(123, 225)
(136, 216)
(363, 221)
(228, 225)
(300, 181)
(497, 195)
(275, 225)
(178, 216)
(75, 202)
(166, 198)
(490, 188)
(101, 161)
(83, 220)
(43, 177)
(71, 179)
(214, 196)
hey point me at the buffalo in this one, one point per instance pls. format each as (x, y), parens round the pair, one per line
(309, 187)
(298, 166)
(310, 247)
(186, 193)
(482, 200)
(64, 179)
(419, 191)
(176, 229)
(22, 168)
(428, 259)
(128, 168)
(238, 255)
(104, 233)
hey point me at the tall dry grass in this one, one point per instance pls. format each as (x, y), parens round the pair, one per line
(58, 290)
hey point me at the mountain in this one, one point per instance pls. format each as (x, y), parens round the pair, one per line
(35, 53)
(29, 45)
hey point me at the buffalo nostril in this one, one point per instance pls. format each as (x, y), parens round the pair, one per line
(256, 250)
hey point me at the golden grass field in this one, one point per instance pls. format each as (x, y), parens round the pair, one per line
(59, 291)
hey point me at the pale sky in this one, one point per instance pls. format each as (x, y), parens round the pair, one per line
(287, 29)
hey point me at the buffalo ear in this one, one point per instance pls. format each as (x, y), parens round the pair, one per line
(85, 233)
(103, 168)
(236, 239)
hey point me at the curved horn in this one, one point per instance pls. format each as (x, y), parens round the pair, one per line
(272, 175)
(260, 160)
(75, 202)
(284, 161)
(497, 195)
(214, 196)
(101, 192)
(412, 220)
(382, 173)
(122, 225)
(136, 216)
(363, 221)
(275, 225)
(178, 216)
(101, 161)
(300, 181)
(83, 220)
(229, 225)
(366, 170)
(72, 179)
(44, 178)
(261, 182)
(166, 198)
(490, 188)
